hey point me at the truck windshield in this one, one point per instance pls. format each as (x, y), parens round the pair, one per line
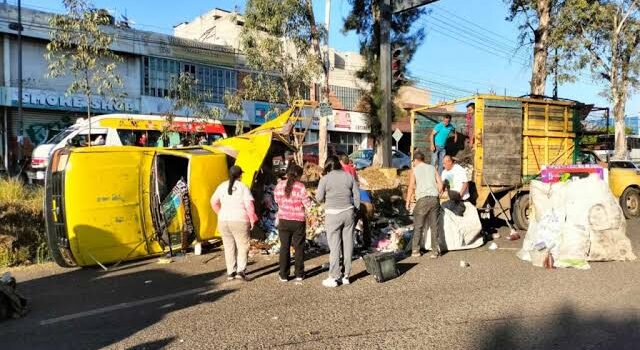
(60, 136)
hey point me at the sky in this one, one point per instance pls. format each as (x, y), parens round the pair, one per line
(469, 47)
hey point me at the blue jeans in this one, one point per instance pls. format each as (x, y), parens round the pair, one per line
(438, 156)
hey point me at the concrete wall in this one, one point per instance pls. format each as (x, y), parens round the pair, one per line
(34, 71)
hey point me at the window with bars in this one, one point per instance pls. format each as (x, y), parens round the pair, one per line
(349, 97)
(212, 82)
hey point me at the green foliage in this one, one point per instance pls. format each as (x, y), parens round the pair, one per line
(22, 237)
(592, 139)
(364, 20)
(276, 40)
(604, 38)
(79, 47)
(187, 101)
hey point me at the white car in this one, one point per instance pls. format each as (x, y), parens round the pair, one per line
(363, 158)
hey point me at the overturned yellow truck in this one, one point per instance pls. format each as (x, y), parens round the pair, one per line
(112, 204)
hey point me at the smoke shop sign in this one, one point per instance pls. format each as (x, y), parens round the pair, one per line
(53, 100)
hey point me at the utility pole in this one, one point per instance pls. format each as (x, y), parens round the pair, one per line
(20, 118)
(386, 13)
(322, 132)
(385, 81)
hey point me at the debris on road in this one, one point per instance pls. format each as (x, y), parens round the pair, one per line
(12, 303)
(493, 246)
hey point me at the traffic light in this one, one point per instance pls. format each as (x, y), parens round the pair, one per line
(397, 67)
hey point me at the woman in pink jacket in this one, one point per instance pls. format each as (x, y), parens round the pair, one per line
(233, 203)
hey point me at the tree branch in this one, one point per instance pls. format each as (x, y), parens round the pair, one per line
(597, 57)
(626, 15)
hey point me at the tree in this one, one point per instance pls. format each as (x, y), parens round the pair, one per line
(364, 20)
(316, 38)
(79, 47)
(540, 30)
(281, 40)
(604, 37)
(186, 100)
(276, 40)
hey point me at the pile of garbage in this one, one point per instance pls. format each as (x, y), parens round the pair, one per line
(268, 221)
(575, 222)
(374, 178)
(312, 173)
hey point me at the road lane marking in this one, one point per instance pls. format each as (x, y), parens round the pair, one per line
(126, 305)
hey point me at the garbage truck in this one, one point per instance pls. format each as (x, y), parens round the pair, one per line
(110, 204)
(515, 137)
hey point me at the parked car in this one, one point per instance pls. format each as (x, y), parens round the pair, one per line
(623, 164)
(364, 158)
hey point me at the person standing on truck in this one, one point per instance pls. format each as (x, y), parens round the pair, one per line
(439, 137)
(456, 176)
(292, 199)
(469, 127)
(426, 186)
(341, 195)
(233, 203)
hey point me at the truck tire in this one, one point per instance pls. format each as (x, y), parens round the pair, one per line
(630, 203)
(520, 212)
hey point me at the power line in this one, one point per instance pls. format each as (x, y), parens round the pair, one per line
(497, 35)
(463, 30)
(478, 47)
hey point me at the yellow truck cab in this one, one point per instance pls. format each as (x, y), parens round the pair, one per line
(624, 181)
(109, 204)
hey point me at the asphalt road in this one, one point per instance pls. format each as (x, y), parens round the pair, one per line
(499, 302)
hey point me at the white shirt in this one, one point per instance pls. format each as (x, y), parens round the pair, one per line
(457, 176)
(233, 207)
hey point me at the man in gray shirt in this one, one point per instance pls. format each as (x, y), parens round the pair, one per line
(426, 186)
(341, 195)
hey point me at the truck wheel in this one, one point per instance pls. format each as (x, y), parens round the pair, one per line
(520, 212)
(630, 203)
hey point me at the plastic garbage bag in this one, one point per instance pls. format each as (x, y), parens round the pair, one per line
(461, 232)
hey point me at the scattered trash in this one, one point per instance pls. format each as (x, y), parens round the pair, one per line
(495, 236)
(464, 264)
(165, 260)
(12, 303)
(311, 173)
(274, 318)
(513, 236)
(493, 246)
(148, 282)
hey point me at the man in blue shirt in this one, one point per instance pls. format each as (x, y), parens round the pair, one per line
(366, 215)
(439, 137)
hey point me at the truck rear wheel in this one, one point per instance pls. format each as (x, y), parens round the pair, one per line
(520, 212)
(630, 203)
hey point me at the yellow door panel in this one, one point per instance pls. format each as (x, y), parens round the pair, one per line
(205, 174)
(103, 204)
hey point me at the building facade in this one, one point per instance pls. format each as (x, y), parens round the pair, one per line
(207, 47)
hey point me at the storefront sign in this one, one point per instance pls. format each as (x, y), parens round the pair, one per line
(32, 98)
(159, 105)
(349, 121)
(260, 114)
